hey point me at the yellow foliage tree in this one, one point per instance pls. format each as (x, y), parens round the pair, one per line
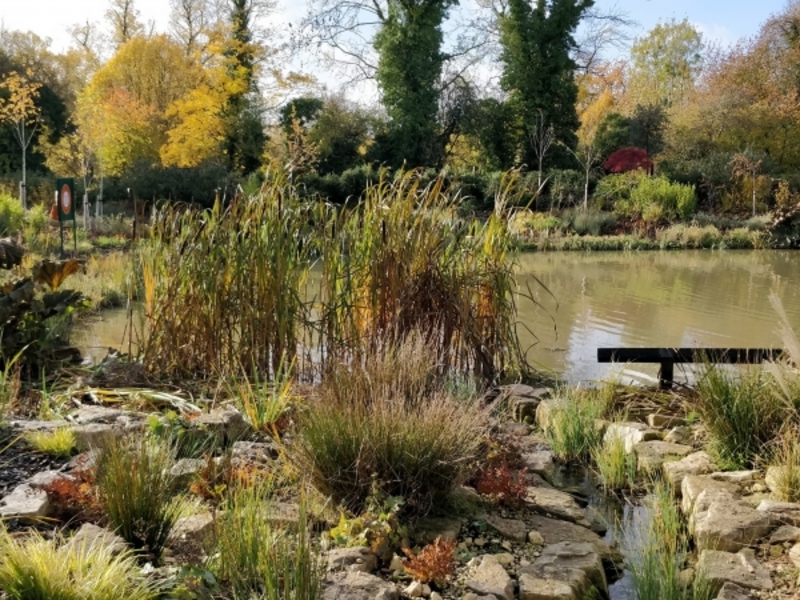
(19, 110)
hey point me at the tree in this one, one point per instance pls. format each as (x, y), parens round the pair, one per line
(19, 110)
(538, 69)
(124, 20)
(665, 64)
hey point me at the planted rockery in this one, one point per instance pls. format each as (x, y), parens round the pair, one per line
(326, 404)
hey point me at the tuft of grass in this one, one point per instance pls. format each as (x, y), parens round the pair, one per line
(741, 412)
(785, 465)
(572, 430)
(35, 568)
(137, 491)
(56, 442)
(617, 468)
(256, 559)
(262, 402)
(387, 426)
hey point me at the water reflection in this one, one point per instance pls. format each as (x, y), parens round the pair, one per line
(690, 298)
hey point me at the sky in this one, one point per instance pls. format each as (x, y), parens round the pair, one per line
(724, 21)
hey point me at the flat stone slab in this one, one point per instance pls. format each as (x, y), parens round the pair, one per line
(96, 414)
(512, 529)
(556, 503)
(25, 502)
(631, 434)
(784, 513)
(693, 485)
(575, 563)
(658, 421)
(731, 591)
(540, 462)
(741, 569)
(352, 559)
(428, 529)
(93, 435)
(354, 585)
(490, 577)
(720, 521)
(534, 588)
(785, 533)
(697, 463)
(553, 531)
(738, 477)
(651, 455)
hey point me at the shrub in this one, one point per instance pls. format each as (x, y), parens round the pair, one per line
(57, 442)
(434, 563)
(572, 428)
(137, 491)
(593, 222)
(34, 568)
(12, 215)
(258, 560)
(388, 426)
(674, 199)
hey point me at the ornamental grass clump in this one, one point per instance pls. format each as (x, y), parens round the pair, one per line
(137, 491)
(572, 429)
(387, 426)
(260, 560)
(35, 568)
(55, 442)
(616, 466)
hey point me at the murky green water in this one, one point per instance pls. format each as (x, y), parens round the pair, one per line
(687, 298)
(663, 299)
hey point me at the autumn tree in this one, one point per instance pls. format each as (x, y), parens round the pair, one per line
(19, 110)
(124, 20)
(538, 68)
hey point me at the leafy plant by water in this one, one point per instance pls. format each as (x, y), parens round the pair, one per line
(616, 466)
(572, 428)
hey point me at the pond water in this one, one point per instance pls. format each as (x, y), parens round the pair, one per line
(664, 299)
(605, 299)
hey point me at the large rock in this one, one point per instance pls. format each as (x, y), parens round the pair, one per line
(193, 537)
(225, 425)
(738, 477)
(511, 529)
(740, 569)
(785, 533)
(352, 559)
(491, 578)
(631, 434)
(96, 414)
(731, 591)
(90, 536)
(255, 452)
(783, 513)
(427, 530)
(651, 455)
(185, 471)
(693, 485)
(25, 502)
(658, 421)
(93, 436)
(354, 585)
(540, 462)
(553, 531)
(574, 563)
(697, 463)
(558, 504)
(720, 521)
(534, 588)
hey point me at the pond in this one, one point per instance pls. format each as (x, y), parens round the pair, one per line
(682, 298)
(698, 298)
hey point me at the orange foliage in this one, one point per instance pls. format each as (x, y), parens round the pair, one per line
(75, 498)
(502, 484)
(434, 563)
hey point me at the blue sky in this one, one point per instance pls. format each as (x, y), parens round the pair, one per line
(721, 20)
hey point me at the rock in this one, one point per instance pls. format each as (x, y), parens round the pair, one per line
(597, 522)
(556, 503)
(697, 463)
(794, 555)
(90, 535)
(535, 538)
(46, 478)
(352, 559)
(255, 452)
(553, 531)
(428, 529)
(540, 462)
(491, 578)
(678, 435)
(35, 425)
(93, 435)
(738, 477)
(785, 533)
(546, 410)
(741, 569)
(511, 529)
(533, 588)
(520, 390)
(436, 596)
(353, 585)
(720, 521)
(574, 563)
(524, 409)
(227, 425)
(693, 485)
(96, 414)
(630, 433)
(651, 455)
(185, 470)
(25, 502)
(731, 591)
(504, 558)
(193, 536)
(777, 476)
(785, 513)
(414, 590)
(657, 421)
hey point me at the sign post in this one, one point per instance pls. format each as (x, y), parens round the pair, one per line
(65, 193)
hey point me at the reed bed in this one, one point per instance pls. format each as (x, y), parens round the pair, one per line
(273, 277)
